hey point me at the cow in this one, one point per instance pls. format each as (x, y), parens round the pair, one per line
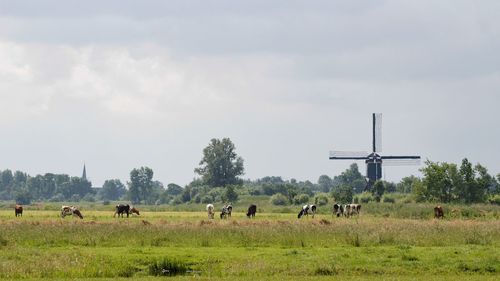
(70, 210)
(226, 211)
(306, 210)
(352, 209)
(210, 211)
(252, 209)
(338, 209)
(120, 209)
(438, 212)
(134, 210)
(18, 210)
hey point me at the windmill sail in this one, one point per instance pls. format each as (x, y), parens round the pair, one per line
(377, 132)
(349, 155)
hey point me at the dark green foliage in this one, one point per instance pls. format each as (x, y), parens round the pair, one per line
(112, 190)
(230, 195)
(343, 194)
(220, 165)
(141, 185)
(325, 183)
(351, 177)
(444, 182)
(378, 190)
(23, 197)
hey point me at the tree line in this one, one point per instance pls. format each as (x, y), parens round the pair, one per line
(220, 171)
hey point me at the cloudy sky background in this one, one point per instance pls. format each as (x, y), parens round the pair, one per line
(124, 84)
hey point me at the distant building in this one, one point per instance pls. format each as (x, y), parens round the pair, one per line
(84, 175)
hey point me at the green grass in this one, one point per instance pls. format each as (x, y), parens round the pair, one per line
(275, 246)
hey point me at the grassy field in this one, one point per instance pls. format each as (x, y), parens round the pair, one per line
(380, 245)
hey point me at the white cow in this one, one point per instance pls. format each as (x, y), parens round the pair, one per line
(210, 211)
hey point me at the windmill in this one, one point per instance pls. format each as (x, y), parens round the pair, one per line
(374, 160)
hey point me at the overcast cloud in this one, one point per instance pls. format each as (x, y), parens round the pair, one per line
(124, 84)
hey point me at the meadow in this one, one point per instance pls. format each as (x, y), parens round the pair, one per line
(386, 242)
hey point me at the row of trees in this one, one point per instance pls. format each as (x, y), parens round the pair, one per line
(220, 170)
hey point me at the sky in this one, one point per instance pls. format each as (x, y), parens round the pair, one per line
(123, 84)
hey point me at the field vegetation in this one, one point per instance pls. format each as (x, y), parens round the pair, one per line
(399, 241)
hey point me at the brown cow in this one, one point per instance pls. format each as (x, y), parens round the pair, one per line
(18, 210)
(438, 212)
(133, 210)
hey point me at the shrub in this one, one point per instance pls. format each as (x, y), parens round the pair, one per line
(366, 197)
(494, 199)
(301, 199)
(279, 199)
(388, 199)
(321, 199)
(207, 199)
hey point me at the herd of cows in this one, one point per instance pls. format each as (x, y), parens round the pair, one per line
(339, 210)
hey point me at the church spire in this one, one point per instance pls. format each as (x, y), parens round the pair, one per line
(84, 175)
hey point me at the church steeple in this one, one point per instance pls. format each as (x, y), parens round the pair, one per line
(84, 175)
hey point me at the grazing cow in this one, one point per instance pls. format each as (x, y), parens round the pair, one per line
(306, 210)
(210, 211)
(352, 209)
(120, 209)
(134, 210)
(226, 211)
(338, 209)
(438, 212)
(18, 210)
(251, 211)
(70, 210)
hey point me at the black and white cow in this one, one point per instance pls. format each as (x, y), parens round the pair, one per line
(352, 209)
(121, 209)
(226, 211)
(70, 211)
(252, 209)
(306, 210)
(338, 209)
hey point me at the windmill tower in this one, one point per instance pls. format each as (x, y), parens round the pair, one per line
(374, 160)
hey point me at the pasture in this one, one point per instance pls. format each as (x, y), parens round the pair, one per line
(380, 244)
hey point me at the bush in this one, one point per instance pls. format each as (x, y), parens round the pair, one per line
(279, 199)
(494, 199)
(23, 197)
(88, 198)
(321, 199)
(388, 199)
(366, 197)
(301, 199)
(207, 199)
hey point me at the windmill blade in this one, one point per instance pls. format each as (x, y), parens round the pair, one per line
(349, 155)
(401, 160)
(377, 132)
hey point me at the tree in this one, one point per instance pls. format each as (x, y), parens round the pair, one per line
(351, 177)
(343, 193)
(230, 195)
(112, 190)
(174, 189)
(378, 190)
(406, 184)
(325, 183)
(140, 185)
(220, 165)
